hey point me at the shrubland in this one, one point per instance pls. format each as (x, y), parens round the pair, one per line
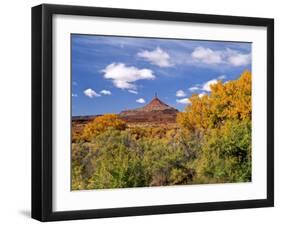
(211, 143)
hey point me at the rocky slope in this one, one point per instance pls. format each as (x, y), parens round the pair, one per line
(156, 111)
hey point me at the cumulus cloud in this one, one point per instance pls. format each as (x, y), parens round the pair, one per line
(105, 92)
(183, 101)
(227, 56)
(236, 58)
(180, 93)
(133, 91)
(201, 94)
(140, 100)
(207, 85)
(194, 88)
(123, 76)
(207, 55)
(156, 57)
(74, 95)
(91, 93)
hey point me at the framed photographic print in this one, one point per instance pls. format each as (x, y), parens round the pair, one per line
(146, 112)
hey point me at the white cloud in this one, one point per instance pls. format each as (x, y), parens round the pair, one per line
(180, 93)
(133, 91)
(194, 88)
(156, 57)
(140, 100)
(206, 55)
(236, 58)
(227, 56)
(74, 95)
(201, 94)
(105, 92)
(123, 76)
(183, 101)
(207, 85)
(91, 93)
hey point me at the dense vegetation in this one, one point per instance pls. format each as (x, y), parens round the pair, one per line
(210, 144)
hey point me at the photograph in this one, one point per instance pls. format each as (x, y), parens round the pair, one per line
(144, 112)
(152, 111)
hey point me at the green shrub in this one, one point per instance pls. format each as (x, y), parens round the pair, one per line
(225, 154)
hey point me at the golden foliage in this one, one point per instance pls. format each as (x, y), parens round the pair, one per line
(231, 100)
(101, 124)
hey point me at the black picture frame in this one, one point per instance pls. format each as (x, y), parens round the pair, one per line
(42, 111)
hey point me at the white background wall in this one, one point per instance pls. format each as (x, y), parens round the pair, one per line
(15, 104)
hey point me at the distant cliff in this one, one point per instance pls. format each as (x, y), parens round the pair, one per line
(156, 111)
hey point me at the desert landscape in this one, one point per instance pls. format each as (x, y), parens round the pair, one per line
(157, 145)
(159, 112)
(154, 114)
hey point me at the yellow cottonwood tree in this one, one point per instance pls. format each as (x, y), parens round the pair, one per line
(227, 101)
(233, 99)
(221, 123)
(101, 124)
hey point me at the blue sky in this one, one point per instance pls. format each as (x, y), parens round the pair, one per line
(111, 74)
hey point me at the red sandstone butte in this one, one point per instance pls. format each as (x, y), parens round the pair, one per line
(156, 111)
